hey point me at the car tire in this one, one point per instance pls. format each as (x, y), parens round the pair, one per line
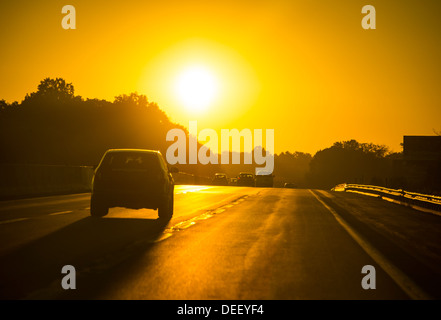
(97, 207)
(165, 210)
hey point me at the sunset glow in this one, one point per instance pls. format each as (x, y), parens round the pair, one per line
(220, 150)
(196, 88)
(306, 69)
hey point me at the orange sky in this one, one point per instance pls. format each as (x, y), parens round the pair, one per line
(303, 68)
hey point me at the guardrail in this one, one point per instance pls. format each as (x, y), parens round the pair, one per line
(22, 180)
(427, 201)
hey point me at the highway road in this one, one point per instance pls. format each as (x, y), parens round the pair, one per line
(223, 243)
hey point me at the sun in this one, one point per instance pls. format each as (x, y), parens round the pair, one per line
(196, 88)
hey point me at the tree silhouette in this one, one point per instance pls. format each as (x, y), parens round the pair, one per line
(351, 162)
(53, 126)
(292, 168)
(53, 89)
(3, 105)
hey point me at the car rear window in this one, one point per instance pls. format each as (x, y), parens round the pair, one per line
(131, 161)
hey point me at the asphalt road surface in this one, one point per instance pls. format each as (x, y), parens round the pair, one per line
(222, 243)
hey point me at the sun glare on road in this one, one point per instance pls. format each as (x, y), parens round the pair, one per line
(196, 88)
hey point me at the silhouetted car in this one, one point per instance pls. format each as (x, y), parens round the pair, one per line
(233, 182)
(135, 179)
(245, 179)
(220, 179)
(264, 180)
(289, 185)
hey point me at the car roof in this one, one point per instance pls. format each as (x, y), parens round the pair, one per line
(133, 150)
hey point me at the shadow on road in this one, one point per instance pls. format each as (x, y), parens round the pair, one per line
(91, 245)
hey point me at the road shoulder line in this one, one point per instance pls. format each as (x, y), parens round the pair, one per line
(402, 280)
(13, 220)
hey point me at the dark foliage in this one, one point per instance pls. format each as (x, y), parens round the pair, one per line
(53, 126)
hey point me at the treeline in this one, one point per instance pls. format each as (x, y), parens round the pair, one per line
(54, 126)
(343, 162)
(354, 162)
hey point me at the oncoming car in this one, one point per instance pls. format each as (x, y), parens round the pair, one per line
(135, 179)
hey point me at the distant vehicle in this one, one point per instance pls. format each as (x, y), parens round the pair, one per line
(245, 179)
(264, 179)
(233, 182)
(289, 185)
(220, 179)
(135, 179)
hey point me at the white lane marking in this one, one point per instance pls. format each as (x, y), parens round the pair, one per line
(402, 280)
(61, 212)
(43, 201)
(13, 220)
(23, 219)
(163, 237)
(191, 222)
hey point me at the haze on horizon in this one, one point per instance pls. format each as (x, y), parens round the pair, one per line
(307, 70)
